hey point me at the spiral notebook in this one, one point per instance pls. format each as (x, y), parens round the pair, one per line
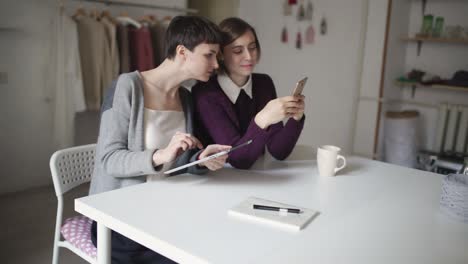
(289, 221)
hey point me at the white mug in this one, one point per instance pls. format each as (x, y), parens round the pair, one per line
(327, 160)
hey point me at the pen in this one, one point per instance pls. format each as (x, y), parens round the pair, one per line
(274, 208)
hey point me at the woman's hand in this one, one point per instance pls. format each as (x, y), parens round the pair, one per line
(279, 109)
(216, 163)
(299, 111)
(179, 143)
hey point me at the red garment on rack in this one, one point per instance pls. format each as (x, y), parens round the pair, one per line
(141, 50)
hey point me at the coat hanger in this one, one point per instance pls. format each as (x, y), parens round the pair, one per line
(153, 18)
(94, 13)
(106, 14)
(146, 19)
(166, 20)
(80, 11)
(126, 20)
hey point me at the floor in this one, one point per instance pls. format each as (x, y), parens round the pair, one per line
(27, 234)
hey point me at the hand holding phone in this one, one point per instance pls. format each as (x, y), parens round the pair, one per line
(300, 86)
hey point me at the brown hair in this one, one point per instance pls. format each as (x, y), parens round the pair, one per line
(232, 28)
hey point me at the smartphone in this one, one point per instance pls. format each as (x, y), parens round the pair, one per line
(221, 153)
(299, 86)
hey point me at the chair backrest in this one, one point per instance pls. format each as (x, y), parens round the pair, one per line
(71, 167)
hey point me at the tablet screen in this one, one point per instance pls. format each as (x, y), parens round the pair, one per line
(209, 157)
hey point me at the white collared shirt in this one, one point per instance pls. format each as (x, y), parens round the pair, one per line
(231, 89)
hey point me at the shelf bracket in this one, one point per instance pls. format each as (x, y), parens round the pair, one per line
(419, 46)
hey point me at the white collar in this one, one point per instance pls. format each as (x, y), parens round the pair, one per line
(231, 89)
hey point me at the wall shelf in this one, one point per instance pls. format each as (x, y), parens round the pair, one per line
(420, 40)
(438, 40)
(414, 85)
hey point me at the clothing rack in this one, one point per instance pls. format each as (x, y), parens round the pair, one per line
(119, 3)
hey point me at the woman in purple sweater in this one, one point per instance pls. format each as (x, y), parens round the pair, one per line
(238, 105)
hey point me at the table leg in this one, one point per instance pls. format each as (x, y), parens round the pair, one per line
(103, 244)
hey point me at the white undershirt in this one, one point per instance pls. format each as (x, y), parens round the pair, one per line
(159, 127)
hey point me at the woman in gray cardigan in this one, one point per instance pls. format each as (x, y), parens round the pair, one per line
(147, 123)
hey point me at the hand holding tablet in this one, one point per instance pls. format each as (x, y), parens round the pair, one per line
(208, 158)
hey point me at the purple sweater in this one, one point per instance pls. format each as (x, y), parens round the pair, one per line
(217, 122)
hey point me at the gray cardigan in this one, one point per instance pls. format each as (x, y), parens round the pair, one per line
(121, 159)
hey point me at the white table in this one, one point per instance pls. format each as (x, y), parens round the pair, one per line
(372, 212)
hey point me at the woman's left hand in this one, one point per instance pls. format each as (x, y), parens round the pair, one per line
(299, 111)
(216, 163)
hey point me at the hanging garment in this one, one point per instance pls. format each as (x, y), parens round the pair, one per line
(158, 32)
(124, 48)
(95, 60)
(141, 49)
(111, 35)
(64, 79)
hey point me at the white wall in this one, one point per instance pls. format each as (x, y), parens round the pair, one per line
(25, 137)
(395, 63)
(26, 122)
(371, 75)
(216, 10)
(332, 64)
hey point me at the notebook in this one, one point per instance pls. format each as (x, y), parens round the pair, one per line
(289, 221)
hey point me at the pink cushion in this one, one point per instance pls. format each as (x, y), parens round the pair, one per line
(77, 231)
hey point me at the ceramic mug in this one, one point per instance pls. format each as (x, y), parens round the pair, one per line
(327, 160)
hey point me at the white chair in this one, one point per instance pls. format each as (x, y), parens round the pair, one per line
(70, 168)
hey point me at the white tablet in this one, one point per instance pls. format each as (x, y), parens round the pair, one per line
(224, 152)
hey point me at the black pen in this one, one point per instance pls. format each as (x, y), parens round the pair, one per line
(274, 208)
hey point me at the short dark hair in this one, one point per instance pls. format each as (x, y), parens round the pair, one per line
(190, 31)
(232, 28)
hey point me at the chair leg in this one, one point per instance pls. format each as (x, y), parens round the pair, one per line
(58, 225)
(56, 255)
